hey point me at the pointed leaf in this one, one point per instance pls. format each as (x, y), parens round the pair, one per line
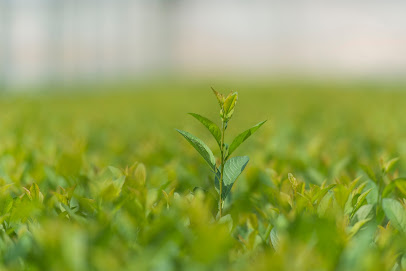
(395, 213)
(232, 169)
(28, 193)
(372, 197)
(371, 174)
(321, 193)
(390, 164)
(242, 137)
(399, 183)
(360, 201)
(201, 148)
(364, 212)
(219, 96)
(34, 189)
(357, 226)
(211, 126)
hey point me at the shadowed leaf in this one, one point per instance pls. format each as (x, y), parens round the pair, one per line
(232, 169)
(201, 148)
(395, 213)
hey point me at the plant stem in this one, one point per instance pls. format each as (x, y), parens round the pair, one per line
(222, 170)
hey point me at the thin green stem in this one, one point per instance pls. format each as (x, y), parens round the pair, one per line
(222, 170)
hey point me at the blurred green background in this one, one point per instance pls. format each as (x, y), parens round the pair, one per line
(103, 181)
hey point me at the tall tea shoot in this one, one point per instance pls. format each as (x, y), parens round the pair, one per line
(227, 172)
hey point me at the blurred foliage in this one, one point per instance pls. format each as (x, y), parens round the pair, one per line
(101, 180)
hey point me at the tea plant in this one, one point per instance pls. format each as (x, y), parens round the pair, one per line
(229, 169)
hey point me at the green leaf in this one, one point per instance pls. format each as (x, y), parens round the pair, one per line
(140, 174)
(201, 148)
(364, 212)
(28, 193)
(227, 220)
(35, 193)
(358, 226)
(360, 201)
(389, 165)
(232, 169)
(228, 107)
(116, 172)
(400, 183)
(242, 137)
(211, 126)
(395, 213)
(293, 181)
(274, 239)
(369, 172)
(372, 197)
(325, 204)
(219, 96)
(321, 193)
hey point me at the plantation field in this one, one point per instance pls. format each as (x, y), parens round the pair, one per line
(101, 180)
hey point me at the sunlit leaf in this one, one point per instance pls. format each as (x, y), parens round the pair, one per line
(390, 164)
(211, 126)
(243, 136)
(219, 96)
(228, 107)
(360, 201)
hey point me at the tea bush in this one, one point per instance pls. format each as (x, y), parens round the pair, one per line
(101, 181)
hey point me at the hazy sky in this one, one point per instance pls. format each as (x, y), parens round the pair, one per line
(78, 39)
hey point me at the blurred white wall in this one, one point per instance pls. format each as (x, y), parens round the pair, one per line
(65, 40)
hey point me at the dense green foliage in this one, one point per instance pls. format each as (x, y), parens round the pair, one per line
(101, 181)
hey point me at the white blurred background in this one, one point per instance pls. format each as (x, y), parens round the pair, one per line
(71, 40)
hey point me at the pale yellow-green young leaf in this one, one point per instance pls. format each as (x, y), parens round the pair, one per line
(229, 104)
(220, 97)
(34, 191)
(360, 201)
(292, 181)
(389, 165)
(140, 174)
(27, 192)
